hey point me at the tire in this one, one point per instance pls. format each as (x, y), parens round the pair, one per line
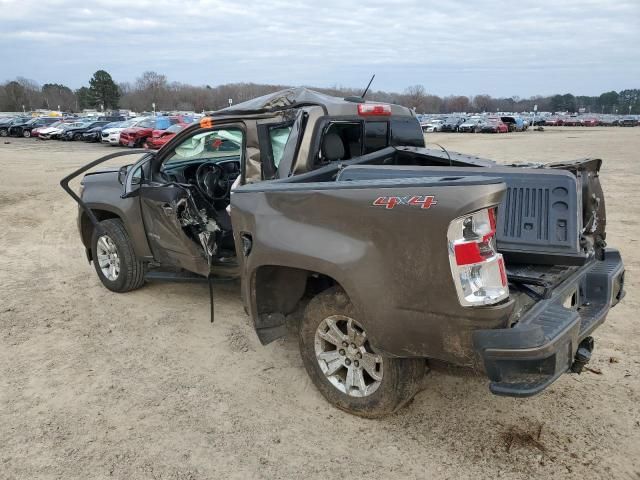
(4, 132)
(129, 273)
(399, 379)
(77, 136)
(26, 133)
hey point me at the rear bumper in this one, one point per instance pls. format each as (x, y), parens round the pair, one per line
(524, 360)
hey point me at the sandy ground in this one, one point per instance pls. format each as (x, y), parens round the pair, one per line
(99, 385)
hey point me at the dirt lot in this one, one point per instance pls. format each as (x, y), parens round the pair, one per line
(98, 385)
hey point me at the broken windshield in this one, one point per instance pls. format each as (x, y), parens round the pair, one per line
(217, 144)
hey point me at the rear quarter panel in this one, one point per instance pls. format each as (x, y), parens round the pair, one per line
(393, 263)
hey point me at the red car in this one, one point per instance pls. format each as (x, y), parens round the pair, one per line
(494, 125)
(159, 137)
(137, 135)
(590, 122)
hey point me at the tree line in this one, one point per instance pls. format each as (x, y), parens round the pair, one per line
(153, 88)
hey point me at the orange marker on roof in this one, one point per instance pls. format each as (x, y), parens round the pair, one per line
(206, 122)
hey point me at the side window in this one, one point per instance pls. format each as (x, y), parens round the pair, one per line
(342, 141)
(220, 144)
(278, 137)
(406, 131)
(375, 136)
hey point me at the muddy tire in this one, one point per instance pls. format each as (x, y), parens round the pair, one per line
(346, 370)
(114, 259)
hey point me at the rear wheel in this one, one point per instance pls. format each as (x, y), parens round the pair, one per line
(4, 133)
(26, 133)
(114, 259)
(77, 136)
(342, 364)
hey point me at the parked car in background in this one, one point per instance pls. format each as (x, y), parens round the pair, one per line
(629, 122)
(24, 129)
(473, 125)
(590, 122)
(4, 127)
(553, 122)
(95, 134)
(36, 131)
(111, 135)
(54, 133)
(434, 125)
(159, 137)
(572, 122)
(494, 125)
(514, 124)
(452, 124)
(607, 121)
(424, 122)
(137, 135)
(76, 132)
(112, 118)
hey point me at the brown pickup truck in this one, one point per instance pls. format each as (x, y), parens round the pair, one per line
(390, 254)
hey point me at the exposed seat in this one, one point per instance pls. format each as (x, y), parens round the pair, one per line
(333, 147)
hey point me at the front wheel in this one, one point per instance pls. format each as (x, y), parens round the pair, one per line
(26, 133)
(114, 258)
(342, 364)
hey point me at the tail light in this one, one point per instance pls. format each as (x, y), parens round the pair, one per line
(374, 109)
(477, 267)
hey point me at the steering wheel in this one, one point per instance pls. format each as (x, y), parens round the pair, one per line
(210, 181)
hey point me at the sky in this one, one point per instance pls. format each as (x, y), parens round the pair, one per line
(502, 48)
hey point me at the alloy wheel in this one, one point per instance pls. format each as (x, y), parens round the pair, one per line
(345, 357)
(108, 258)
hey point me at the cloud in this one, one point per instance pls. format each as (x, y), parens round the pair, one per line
(451, 47)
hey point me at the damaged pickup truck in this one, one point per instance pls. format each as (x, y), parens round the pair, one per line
(390, 254)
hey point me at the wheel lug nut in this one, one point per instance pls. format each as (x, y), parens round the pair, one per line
(345, 344)
(341, 352)
(359, 355)
(353, 345)
(347, 361)
(356, 363)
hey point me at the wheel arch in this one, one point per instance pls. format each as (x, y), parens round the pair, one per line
(86, 227)
(278, 291)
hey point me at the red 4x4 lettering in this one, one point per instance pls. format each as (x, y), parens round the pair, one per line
(387, 202)
(422, 201)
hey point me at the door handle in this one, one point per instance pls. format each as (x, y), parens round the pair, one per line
(167, 209)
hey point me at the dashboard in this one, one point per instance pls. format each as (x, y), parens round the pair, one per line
(185, 172)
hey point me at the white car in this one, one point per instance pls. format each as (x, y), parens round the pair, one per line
(112, 135)
(434, 126)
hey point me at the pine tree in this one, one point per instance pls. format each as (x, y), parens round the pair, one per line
(103, 90)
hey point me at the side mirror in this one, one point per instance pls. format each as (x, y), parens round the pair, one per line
(122, 174)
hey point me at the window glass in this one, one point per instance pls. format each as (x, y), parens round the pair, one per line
(162, 123)
(375, 136)
(406, 131)
(350, 134)
(219, 144)
(278, 138)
